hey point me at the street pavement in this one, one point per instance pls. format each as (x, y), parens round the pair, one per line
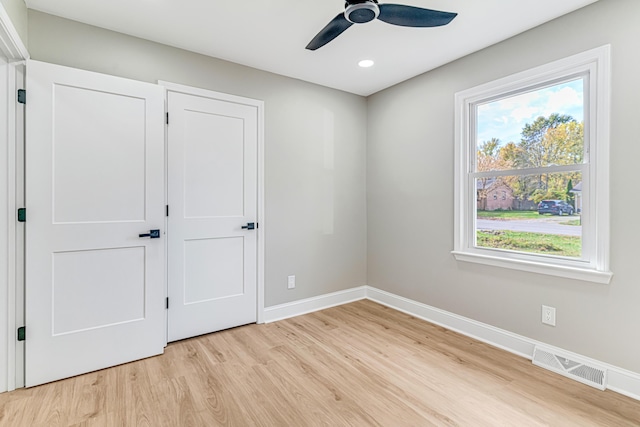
(542, 225)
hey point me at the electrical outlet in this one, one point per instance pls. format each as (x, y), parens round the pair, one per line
(291, 282)
(549, 315)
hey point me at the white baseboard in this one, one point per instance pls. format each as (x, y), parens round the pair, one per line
(309, 305)
(480, 331)
(623, 382)
(619, 380)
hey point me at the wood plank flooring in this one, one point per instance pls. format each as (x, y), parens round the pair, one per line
(360, 364)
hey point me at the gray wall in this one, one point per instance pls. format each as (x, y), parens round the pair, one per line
(315, 145)
(17, 11)
(410, 164)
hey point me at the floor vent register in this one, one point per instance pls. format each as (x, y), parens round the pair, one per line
(571, 367)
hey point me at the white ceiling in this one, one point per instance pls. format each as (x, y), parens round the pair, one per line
(271, 35)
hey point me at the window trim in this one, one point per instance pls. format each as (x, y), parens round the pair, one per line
(595, 64)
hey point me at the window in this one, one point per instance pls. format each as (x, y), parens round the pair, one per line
(542, 137)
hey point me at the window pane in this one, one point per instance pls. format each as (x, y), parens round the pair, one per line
(538, 213)
(534, 129)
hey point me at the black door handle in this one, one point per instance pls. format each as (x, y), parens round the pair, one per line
(152, 234)
(250, 226)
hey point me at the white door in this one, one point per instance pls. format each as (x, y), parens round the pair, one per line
(94, 182)
(212, 193)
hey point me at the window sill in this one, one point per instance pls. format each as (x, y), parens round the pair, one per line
(585, 274)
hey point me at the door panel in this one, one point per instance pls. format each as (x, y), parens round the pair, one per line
(115, 277)
(94, 182)
(108, 184)
(218, 261)
(212, 191)
(214, 166)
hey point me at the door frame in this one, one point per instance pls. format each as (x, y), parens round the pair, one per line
(11, 193)
(259, 105)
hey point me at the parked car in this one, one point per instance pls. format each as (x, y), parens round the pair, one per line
(555, 207)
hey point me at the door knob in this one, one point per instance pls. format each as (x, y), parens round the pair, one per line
(250, 226)
(152, 234)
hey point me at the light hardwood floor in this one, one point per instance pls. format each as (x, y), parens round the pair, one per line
(360, 364)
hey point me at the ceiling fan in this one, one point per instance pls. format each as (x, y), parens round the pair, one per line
(363, 11)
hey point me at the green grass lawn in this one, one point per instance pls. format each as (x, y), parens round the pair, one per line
(509, 215)
(550, 244)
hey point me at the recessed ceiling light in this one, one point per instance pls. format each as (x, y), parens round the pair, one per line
(366, 63)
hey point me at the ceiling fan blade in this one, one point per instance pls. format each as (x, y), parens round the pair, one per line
(409, 16)
(333, 29)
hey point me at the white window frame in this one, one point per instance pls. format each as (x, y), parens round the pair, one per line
(594, 66)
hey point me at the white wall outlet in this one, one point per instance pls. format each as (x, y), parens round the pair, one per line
(291, 282)
(549, 315)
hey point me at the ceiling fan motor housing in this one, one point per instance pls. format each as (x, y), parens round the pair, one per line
(362, 12)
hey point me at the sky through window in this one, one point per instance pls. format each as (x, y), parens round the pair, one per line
(505, 118)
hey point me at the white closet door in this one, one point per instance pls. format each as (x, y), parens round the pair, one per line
(94, 182)
(212, 192)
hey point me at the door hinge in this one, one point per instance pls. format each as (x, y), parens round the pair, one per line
(22, 333)
(167, 303)
(167, 210)
(22, 96)
(22, 215)
(167, 120)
